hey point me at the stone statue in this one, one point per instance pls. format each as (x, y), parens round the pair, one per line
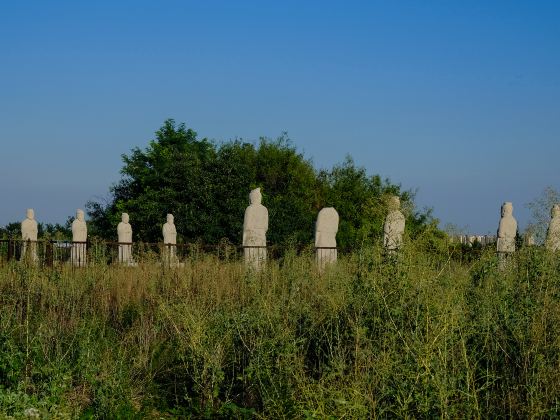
(325, 237)
(529, 239)
(506, 233)
(29, 232)
(169, 240)
(124, 231)
(552, 242)
(255, 225)
(393, 228)
(79, 237)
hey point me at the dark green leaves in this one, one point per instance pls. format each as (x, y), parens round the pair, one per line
(206, 185)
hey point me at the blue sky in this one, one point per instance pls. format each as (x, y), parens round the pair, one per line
(458, 99)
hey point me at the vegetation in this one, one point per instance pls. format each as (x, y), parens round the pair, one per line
(206, 185)
(436, 331)
(45, 231)
(540, 208)
(426, 334)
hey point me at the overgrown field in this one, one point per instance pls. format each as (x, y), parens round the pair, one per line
(422, 336)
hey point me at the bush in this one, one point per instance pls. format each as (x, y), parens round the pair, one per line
(420, 335)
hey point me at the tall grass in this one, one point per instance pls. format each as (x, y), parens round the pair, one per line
(420, 335)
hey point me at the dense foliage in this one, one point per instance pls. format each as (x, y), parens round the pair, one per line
(420, 336)
(44, 231)
(206, 185)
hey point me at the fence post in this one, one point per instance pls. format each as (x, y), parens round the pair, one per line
(10, 249)
(49, 257)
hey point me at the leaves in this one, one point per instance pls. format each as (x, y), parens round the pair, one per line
(205, 185)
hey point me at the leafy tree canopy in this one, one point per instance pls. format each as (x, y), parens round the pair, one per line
(44, 231)
(205, 185)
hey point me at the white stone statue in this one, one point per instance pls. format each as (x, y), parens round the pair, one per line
(325, 237)
(124, 232)
(393, 229)
(552, 242)
(29, 231)
(255, 225)
(79, 237)
(506, 232)
(169, 240)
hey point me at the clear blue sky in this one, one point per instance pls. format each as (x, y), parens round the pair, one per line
(460, 99)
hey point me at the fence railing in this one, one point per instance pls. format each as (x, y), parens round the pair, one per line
(50, 253)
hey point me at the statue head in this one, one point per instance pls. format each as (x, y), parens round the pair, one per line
(394, 203)
(255, 196)
(555, 212)
(507, 209)
(80, 215)
(30, 214)
(170, 218)
(125, 218)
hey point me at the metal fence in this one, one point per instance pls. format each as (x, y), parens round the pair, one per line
(51, 253)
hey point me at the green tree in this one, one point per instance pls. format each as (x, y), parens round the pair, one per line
(360, 201)
(290, 190)
(172, 175)
(11, 231)
(44, 231)
(234, 174)
(206, 185)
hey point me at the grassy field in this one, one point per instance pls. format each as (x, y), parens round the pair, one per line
(426, 335)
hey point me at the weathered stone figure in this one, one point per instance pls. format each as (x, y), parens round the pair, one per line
(79, 237)
(529, 239)
(124, 232)
(393, 228)
(552, 242)
(169, 240)
(506, 233)
(29, 232)
(255, 225)
(325, 237)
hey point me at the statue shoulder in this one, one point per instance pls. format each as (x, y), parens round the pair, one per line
(256, 209)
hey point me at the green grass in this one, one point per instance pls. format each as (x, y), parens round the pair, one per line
(423, 336)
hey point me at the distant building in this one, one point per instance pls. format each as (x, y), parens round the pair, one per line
(470, 240)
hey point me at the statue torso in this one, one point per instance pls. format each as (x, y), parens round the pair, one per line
(553, 235)
(79, 231)
(29, 230)
(124, 231)
(506, 234)
(169, 233)
(255, 225)
(326, 228)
